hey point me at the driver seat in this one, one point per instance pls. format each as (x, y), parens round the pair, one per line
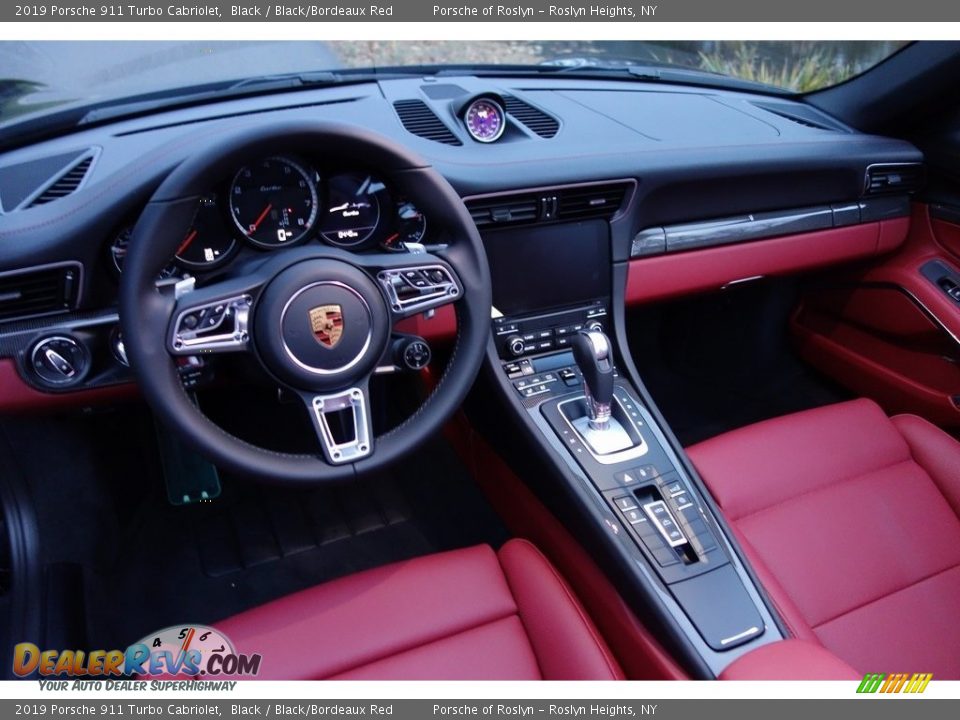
(471, 614)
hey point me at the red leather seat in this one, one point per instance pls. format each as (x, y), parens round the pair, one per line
(850, 519)
(466, 614)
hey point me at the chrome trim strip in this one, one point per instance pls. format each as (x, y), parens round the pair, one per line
(740, 636)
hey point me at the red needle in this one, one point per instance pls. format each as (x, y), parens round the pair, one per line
(266, 211)
(186, 243)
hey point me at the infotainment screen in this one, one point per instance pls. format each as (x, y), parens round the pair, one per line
(541, 267)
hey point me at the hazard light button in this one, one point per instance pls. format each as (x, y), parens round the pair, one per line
(636, 475)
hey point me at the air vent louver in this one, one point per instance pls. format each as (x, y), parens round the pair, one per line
(535, 119)
(28, 293)
(579, 202)
(420, 120)
(802, 115)
(802, 121)
(894, 179)
(65, 184)
(591, 201)
(505, 210)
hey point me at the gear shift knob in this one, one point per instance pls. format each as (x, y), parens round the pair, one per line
(594, 356)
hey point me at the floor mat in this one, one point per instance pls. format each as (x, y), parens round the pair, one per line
(206, 562)
(722, 361)
(121, 562)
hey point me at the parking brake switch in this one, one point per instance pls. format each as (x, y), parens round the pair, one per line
(660, 516)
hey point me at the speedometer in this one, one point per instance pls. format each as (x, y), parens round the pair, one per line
(274, 202)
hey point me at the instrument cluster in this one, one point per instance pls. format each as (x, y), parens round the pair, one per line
(282, 201)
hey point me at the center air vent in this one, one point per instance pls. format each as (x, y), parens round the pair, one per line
(40, 291)
(894, 179)
(420, 120)
(591, 201)
(577, 202)
(533, 118)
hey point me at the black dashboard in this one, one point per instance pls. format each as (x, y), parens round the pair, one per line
(657, 155)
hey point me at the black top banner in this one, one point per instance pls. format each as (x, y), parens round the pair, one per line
(471, 11)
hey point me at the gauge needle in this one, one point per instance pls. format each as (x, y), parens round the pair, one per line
(266, 211)
(186, 243)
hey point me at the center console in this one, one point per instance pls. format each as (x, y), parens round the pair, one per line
(555, 354)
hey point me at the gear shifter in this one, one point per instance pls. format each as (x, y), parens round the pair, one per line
(599, 430)
(592, 352)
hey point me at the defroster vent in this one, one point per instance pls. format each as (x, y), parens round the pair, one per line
(419, 119)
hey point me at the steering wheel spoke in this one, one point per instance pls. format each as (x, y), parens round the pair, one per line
(342, 422)
(415, 283)
(216, 319)
(317, 320)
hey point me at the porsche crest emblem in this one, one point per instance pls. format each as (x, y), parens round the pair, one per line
(327, 324)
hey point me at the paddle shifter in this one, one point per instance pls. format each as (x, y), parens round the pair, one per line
(603, 433)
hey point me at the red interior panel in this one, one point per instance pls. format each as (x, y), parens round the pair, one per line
(676, 274)
(17, 396)
(440, 328)
(887, 332)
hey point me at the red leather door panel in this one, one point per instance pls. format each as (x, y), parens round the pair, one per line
(887, 332)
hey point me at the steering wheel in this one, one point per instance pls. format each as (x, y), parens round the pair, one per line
(316, 318)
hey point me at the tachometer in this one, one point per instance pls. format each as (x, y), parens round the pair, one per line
(207, 243)
(352, 211)
(274, 202)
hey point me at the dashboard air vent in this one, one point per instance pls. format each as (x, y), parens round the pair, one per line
(420, 120)
(800, 114)
(894, 179)
(591, 201)
(504, 210)
(577, 202)
(535, 119)
(66, 184)
(40, 291)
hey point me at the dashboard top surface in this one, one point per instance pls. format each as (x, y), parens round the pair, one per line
(694, 152)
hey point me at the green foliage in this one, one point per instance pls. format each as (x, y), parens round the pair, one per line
(801, 73)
